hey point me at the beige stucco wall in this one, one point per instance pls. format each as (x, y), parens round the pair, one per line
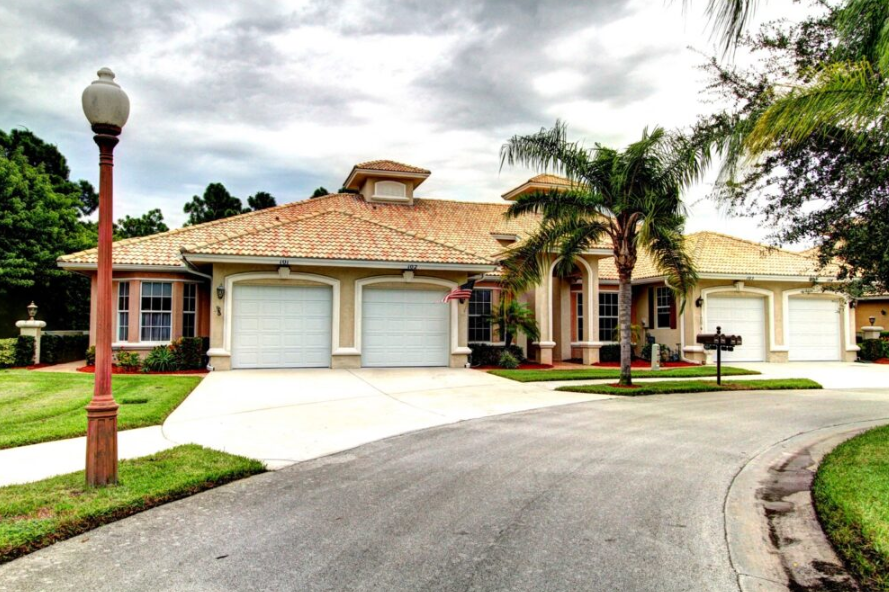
(879, 309)
(776, 348)
(347, 277)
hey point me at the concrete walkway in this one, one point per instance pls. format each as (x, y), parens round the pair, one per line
(286, 416)
(39, 461)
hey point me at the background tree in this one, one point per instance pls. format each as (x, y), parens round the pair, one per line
(320, 192)
(39, 221)
(820, 174)
(261, 200)
(216, 203)
(631, 198)
(151, 222)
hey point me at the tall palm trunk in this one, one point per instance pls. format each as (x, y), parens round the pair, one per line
(624, 304)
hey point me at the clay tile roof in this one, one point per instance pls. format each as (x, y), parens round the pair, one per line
(550, 180)
(391, 165)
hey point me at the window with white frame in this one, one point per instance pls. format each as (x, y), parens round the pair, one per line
(123, 311)
(189, 309)
(607, 316)
(390, 190)
(157, 311)
(579, 307)
(479, 316)
(663, 307)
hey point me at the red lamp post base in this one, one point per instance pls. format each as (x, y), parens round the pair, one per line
(101, 443)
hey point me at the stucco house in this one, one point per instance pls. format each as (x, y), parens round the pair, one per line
(357, 280)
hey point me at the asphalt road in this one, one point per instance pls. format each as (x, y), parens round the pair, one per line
(622, 494)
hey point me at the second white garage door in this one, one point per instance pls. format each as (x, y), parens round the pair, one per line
(814, 329)
(404, 328)
(740, 316)
(281, 327)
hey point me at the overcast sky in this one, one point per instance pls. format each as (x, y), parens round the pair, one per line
(286, 96)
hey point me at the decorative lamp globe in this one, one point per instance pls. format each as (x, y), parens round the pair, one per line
(105, 104)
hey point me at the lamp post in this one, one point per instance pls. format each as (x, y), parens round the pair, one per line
(107, 108)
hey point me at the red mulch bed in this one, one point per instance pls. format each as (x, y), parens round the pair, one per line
(119, 370)
(525, 366)
(882, 361)
(642, 364)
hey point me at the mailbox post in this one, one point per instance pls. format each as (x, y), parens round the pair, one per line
(720, 342)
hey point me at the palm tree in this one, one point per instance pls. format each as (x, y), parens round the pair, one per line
(513, 317)
(845, 96)
(630, 197)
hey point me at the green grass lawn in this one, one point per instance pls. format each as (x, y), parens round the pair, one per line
(851, 492)
(596, 373)
(693, 386)
(42, 406)
(38, 514)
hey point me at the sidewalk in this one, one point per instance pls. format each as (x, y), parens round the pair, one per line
(39, 461)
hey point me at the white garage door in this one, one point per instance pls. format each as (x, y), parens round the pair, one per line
(281, 327)
(814, 329)
(404, 328)
(739, 316)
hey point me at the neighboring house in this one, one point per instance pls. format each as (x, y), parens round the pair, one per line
(357, 279)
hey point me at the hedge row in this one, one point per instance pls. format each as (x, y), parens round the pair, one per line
(17, 351)
(58, 349)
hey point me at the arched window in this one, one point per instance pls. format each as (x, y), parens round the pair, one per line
(390, 190)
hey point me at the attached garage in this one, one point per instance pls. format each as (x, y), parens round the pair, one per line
(740, 315)
(404, 327)
(281, 326)
(814, 329)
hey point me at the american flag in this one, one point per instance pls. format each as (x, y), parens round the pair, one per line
(461, 293)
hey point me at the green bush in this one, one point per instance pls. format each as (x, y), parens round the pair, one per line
(24, 350)
(610, 353)
(508, 361)
(7, 352)
(190, 352)
(128, 360)
(873, 349)
(666, 352)
(58, 349)
(91, 355)
(484, 354)
(160, 359)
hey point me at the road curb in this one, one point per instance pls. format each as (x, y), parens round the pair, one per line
(774, 539)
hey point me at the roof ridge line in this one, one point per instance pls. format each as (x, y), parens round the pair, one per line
(269, 226)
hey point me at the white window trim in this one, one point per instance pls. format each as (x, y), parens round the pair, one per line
(236, 278)
(403, 186)
(455, 349)
(172, 308)
(609, 341)
(846, 322)
(196, 307)
(489, 342)
(656, 324)
(129, 308)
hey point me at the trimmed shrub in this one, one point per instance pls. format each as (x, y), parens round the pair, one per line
(91, 355)
(58, 349)
(160, 359)
(610, 353)
(489, 355)
(7, 352)
(666, 352)
(24, 350)
(190, 352)
(873, 349)
(128, 360)
(508, 361)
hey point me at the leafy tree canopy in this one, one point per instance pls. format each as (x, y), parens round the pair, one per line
(215, 204)
(47, 156)
(151, 222)
(827, 182)
(320, 192)
(261, 200)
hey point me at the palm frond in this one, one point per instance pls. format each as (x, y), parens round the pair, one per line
(844, 96)
(547, 151)
(863, 28)
(662, 238)
(729, 18)
(558, 204)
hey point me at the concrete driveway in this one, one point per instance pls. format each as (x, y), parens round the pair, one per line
(286, 416)
(839, 375)
(625, 494)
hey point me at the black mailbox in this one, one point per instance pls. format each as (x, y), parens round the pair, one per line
(720, 342)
